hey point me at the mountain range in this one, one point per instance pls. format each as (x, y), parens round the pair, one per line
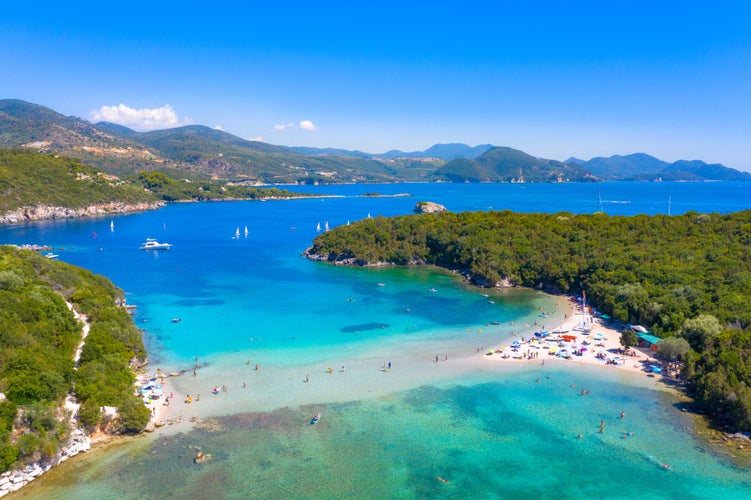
(199, 152)
(643, 167)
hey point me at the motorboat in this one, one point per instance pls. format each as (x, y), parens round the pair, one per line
(152, 244)
(315, 419)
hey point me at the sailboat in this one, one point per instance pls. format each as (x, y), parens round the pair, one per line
(318, 227)
(326, 226)
(112, 225)
(237, 233)
(369, 217)
(348, 222)
(246, 231)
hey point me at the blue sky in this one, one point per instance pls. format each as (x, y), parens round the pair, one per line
(554, 79)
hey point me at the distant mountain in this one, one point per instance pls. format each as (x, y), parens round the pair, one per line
(643, 167)
(444, 152)
(310, 151)
(684, 170)
(198, 152)
(502, 164)
(622, 167)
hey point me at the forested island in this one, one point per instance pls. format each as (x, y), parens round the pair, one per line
(687, 277)
(39, 336)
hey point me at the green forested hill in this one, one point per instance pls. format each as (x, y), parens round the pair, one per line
(29, 179)
(38, 338)
(685, 276)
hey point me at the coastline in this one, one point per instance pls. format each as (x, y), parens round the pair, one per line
(45, 212)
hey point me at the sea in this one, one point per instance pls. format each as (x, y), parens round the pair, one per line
(390, 357)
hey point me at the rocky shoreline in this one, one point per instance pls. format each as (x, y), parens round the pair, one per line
(43, 212)
(14, 480)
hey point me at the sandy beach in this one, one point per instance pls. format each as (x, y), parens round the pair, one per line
(590, 340)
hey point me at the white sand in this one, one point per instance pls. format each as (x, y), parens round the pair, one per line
(602, 338)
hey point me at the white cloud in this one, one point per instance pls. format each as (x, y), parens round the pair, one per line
(284, 126)
(218, 127)
(256, 139)
(303, 125)
(308, 125)
(139, 119)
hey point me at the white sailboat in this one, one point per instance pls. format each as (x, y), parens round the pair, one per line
(112, 225)
(326, 226)
(246, 231)
(348, 222)
(237, 232)
(369, 217)
(318, 227)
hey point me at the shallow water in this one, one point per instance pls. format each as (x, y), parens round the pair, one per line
(504, 437)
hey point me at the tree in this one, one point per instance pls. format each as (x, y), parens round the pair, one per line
(700, 330)
(628, 338)
(133, 416)
(90, 414)
(673, 348)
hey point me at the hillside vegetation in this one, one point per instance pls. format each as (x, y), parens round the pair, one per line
(29, 179)
(34, 179)
(38, 339)
(685, 276)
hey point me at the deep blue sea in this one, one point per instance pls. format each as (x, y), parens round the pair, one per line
(253, 300)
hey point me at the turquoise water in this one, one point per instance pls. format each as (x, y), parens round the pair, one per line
(506, 438)
(490, 433)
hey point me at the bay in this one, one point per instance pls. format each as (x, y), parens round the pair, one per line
(489, 432)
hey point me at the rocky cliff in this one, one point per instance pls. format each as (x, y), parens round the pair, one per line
(42, 212)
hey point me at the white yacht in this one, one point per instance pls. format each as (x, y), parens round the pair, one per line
(152, 244)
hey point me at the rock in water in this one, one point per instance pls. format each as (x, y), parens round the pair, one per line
(428, 207)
